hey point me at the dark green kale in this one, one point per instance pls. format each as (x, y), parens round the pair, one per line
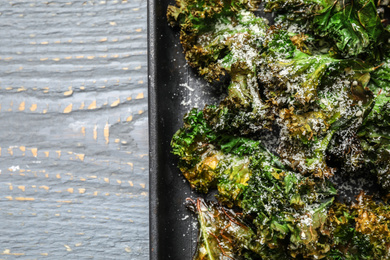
(321, 77)
(313, 96)
(296, 11)
(380, 77)
(211, 159)
(289, 210)
(347, 242)
(353, 27)
(198, 157)
(212, 31)
(373, 220)
(222, 233)
(361, 230)
(374, 135)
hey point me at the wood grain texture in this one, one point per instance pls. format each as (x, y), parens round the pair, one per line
(73, 113)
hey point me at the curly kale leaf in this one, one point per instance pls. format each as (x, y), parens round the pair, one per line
(210, 159)
(380, 77)
(373, 220)
(347, 242)
(198, 158)
(213, 32)
(292, 75)
(245, 119)
(288, 208)
(195, 12)
(315, 96)
(222, 233)
(295, 11)
(359, 231)
(375, 140)
(236, 174)
(354, 26)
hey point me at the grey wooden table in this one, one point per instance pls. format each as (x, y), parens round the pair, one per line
(73, 113)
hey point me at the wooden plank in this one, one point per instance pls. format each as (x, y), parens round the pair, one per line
(73, 113)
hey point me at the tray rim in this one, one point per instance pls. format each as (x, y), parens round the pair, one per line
(153, 122)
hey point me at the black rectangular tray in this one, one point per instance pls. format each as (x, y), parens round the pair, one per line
(173, 90)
